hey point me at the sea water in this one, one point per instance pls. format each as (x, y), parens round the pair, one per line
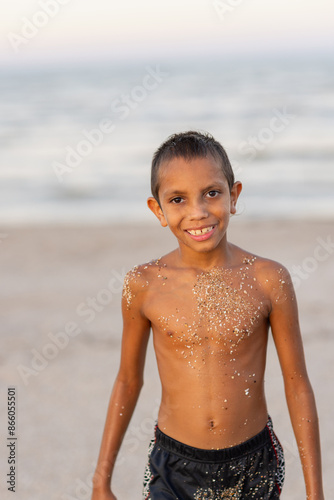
(77, 142)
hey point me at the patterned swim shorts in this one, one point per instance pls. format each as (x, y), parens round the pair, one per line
(251, 470)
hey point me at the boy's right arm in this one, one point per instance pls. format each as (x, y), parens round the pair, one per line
(127, 386)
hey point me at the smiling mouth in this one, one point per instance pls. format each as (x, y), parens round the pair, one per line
(199, 232)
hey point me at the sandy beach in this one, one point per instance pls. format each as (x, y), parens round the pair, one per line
(61, 331)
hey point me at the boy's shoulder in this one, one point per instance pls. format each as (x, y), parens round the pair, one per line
(138, 278)
(144, 273)
(140, 272)
(264, 264)
(267, 271)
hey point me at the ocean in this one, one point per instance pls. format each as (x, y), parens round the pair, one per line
(77, 142)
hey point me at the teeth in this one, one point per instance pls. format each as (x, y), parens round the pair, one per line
(198, 232)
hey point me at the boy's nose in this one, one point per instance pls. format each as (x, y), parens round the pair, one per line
(198, 211)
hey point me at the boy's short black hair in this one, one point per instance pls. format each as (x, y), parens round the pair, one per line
(189, 145)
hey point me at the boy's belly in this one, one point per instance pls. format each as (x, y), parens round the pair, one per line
(217, 402)
(212, 424)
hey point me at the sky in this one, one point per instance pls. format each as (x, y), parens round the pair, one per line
(87, 30)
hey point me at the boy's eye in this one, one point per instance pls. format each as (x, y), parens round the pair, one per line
(213, 193)
(176, 200)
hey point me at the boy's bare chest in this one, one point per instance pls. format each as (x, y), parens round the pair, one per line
(220, 306)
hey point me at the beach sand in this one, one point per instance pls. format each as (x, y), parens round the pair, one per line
(62, 356)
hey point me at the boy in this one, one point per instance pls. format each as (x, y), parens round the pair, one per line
(209, 304)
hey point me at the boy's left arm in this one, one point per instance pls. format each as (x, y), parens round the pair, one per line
(299, 394)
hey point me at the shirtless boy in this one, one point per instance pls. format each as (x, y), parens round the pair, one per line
(209, 304)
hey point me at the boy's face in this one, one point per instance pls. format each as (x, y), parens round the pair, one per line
(195, 202)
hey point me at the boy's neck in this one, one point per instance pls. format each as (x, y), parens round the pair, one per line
(219, 257)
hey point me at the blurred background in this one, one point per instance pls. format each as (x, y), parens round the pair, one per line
(258, 75)
(88, 91)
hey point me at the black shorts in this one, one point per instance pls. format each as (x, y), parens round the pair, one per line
(251, 470)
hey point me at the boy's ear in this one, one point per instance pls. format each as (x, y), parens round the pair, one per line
(154, 206)
(235, 192)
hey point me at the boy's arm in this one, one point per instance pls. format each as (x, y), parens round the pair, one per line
(127, 386)
(299, 394)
